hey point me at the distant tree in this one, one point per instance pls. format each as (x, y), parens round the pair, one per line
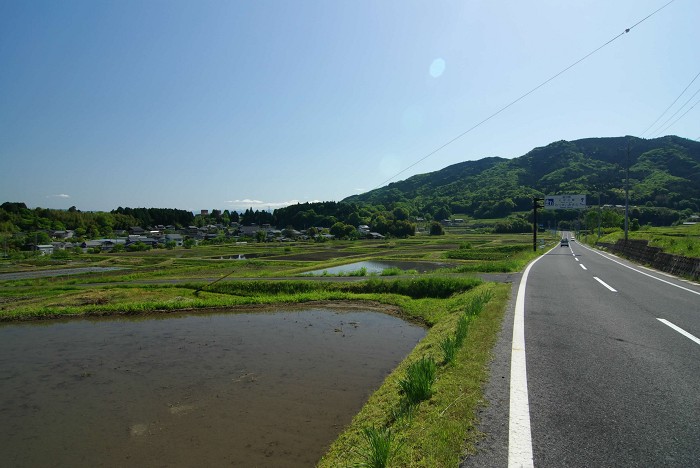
(343, 231)
(402, 228)
(338, 229)
(400, 213)
(42, 238)
(138, 247)
(355, 219)
(442, 213)
(436, 229)
(189, 243)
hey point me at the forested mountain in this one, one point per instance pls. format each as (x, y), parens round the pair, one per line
(664, 178)
(664, 172)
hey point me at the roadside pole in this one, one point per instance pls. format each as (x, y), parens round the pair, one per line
(535, 205)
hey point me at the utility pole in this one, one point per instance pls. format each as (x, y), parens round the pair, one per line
(627, 189)
(600, 214)
(535, 205)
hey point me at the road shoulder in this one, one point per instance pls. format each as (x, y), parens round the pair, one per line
(492, 449)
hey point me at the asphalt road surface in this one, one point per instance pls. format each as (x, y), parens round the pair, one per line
(609, 372)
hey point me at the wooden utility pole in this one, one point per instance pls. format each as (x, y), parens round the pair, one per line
(627, 190)
(535, 205)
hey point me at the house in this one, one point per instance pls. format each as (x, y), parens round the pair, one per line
(62, 234)
(136, 230)
(177, 238)
(143, 239)
(44, 249)
(102, 244)
(250, 231)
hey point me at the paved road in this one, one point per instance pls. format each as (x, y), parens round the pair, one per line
(608, 383)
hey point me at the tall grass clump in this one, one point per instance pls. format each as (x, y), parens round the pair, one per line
(449, 349)
(462, 329)
(476, 305)
(421, 287)
(380, 449)
(361, 272)
(418, 383)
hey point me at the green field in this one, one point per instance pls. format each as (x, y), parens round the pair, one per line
(432, 431)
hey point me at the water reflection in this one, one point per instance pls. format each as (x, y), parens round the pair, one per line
(263, 389)
(377, 267)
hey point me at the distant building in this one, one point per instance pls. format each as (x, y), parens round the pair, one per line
(45, 249)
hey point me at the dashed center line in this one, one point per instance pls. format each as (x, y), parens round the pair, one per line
(604, 284)
(583, 266)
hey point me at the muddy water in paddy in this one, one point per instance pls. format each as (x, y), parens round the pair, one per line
(246, 389)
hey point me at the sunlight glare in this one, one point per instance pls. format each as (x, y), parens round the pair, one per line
(437, 68)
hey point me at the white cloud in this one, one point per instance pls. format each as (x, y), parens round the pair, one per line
(246, 203)
(59, 195)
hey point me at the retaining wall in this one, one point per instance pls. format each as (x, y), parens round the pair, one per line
(640, 252)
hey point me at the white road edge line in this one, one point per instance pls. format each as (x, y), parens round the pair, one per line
(519, 433)
(679, 330)
(604, 284)
(641, 272)
(583, 266)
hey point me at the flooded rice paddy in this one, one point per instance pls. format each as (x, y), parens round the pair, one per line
(377, 267)
(215, 389)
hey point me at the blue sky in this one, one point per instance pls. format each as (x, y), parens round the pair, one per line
(237, 104)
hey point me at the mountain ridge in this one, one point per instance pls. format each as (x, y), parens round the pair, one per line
(664, 172)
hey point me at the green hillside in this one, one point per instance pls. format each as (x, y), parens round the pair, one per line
(664, 172)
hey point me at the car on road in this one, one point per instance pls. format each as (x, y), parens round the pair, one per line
(564, 242)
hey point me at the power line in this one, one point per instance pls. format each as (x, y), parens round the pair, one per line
(669, 107)
(681, 116)
(679, 109)
(523, 96)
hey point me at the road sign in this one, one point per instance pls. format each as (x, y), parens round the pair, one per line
(564, 202)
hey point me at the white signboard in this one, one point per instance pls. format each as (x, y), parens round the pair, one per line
(564, 202)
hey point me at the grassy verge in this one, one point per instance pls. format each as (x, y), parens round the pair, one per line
(439, 429)
(677, 240)
(51, 301)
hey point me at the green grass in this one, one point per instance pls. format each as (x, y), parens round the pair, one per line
(379, 449)
(676, 240)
